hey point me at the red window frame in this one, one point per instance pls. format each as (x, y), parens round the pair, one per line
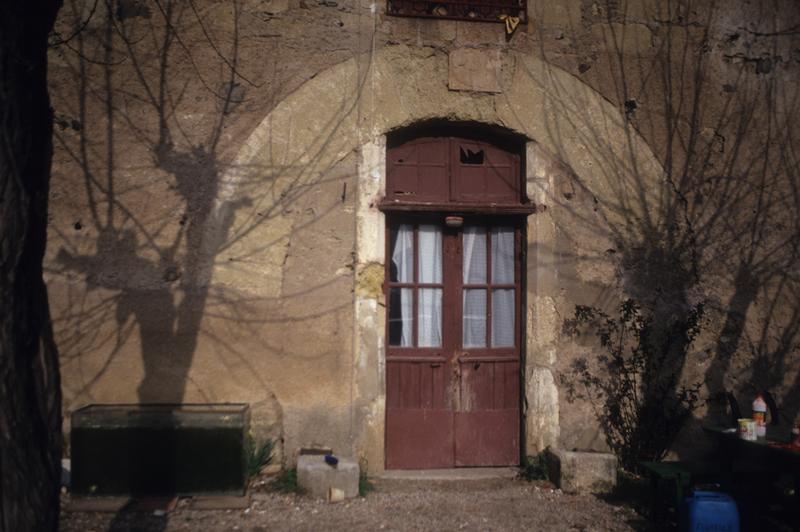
(453, 287)
(415, 286)
(489, 285)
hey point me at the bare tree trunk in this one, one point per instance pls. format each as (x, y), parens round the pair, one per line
(30, 393)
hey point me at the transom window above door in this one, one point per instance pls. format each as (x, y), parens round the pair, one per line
(439, 173)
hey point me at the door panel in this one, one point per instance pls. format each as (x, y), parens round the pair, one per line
(487, 423)
(419, 438)
(453, 371)
(486, 438)
(443, 170)
(482, 173)
(419, 421)
(417, 383)
(419, 171)
(490, 384)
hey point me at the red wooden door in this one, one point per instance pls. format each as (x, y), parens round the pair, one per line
(453, 343)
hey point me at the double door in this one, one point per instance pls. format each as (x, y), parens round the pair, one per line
(453, 343)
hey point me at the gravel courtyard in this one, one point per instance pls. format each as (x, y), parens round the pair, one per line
(488, 504)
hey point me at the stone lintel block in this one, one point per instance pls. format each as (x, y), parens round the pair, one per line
(582, 472)
(317, 477)
(472, 69)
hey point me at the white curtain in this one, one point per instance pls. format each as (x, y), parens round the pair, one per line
(402, 260)
(403, 254)
(474, 255)
(502, 255)
(502, 299)
(429, 304)
(429, 331)
(474, 320)
(502, 317)
(430, 254)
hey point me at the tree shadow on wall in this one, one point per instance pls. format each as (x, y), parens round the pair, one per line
(720, 225)
(161, 283)
(146, 75)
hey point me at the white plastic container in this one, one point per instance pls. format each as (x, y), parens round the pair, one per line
(747, 429)
(760, 416)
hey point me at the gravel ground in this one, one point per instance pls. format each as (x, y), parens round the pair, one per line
(497, 504)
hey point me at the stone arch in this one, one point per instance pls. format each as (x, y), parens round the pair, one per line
(350, 107)
(357, 101)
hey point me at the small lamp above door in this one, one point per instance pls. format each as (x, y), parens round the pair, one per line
(454, 221)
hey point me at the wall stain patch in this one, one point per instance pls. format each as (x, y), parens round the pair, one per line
(369, 280)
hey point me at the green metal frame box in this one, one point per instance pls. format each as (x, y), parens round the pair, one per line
(159, 449)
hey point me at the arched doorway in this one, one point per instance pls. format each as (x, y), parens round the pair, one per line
(454, 283)
(556, 118)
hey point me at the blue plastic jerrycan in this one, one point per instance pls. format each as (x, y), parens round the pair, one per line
(709, 511)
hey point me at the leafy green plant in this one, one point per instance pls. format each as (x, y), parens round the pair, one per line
(364, 484)
(535, 467)
(287, 482)
(635, 383)
(257, 456)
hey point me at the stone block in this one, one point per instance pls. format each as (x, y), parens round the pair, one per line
(474, 70)
(317, 477)
(542, 419)
(582, 472)
(468, 33)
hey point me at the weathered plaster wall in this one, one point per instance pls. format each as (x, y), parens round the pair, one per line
(532, 85)
(214, 235)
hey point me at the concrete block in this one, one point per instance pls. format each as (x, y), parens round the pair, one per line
(582, 472)
(317, 477)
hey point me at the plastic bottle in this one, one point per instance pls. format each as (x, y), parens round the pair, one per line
(760, 416)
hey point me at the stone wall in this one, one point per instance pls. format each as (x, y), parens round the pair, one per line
(214, 234)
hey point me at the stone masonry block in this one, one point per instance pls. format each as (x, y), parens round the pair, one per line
(317, 477)
(472, 69)
(582, 472)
